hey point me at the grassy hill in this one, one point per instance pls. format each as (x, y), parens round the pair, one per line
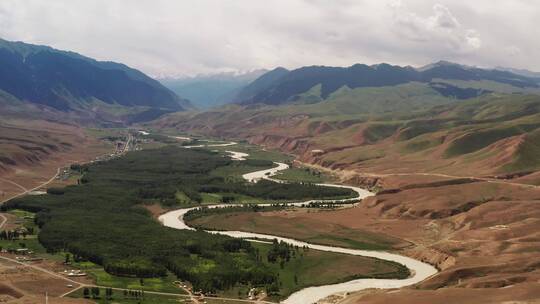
(371, 128)
(448, 79)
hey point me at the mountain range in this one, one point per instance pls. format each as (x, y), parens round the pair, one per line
(460, 118)
(71, 83)
(43, 81)
(281, 86)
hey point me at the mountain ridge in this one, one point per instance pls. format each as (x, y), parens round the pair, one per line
(280, 88)
(69, 82)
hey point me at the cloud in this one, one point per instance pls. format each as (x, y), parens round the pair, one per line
(169, 37)
(443, 18)
(440, 32)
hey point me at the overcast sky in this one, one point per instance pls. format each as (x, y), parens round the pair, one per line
(188, 37)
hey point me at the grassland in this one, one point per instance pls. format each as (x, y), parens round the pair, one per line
(118, 297)
(305, 175)
(309, 267)
(30, 242)
(106, 132)
(235, 170)
(527, 154)
(255, 152)
(370, 128)
(102, 278)
(346, 102)
(314, 268)
(25, 219)
(278, 223)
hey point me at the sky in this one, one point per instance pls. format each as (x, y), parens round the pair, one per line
(176, 38)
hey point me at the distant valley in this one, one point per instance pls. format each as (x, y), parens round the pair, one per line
(207, 91)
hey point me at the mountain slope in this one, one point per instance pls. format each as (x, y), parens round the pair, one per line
(208, 91)
(288, 87)
(521, 72)
(260, 84)
(492, 134)
(67, 81)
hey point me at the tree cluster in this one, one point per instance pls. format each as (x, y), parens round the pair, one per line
(101, 220)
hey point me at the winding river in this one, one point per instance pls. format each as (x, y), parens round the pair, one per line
(419, 270)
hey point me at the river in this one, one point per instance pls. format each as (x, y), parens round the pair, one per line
(419, 270)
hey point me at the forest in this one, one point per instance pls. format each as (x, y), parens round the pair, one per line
(103, 220)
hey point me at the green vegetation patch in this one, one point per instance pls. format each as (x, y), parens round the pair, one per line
(135, 296)
(420, 144)
(528, 154)
(375, 132)
(235, 170)
(302, 267)
(477, 140)
(306, 175)
(250, 218)
(100, 220)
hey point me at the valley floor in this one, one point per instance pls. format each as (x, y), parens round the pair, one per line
(305, 270)
(481, 231)
(482, 235)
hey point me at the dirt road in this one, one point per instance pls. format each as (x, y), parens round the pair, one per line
(379, 175)
(26, 191)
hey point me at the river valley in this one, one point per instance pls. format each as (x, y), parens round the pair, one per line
(419, 270)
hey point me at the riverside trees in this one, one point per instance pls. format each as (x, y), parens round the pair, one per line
(102, 219)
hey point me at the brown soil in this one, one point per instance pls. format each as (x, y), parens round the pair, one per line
(300, 225)
(517, 294)
(155, 209)
(9, 291)
(36, 161)
(11, 222)
(41, 299)
(25, 283)
(349, 144)
(40, 285)
(483, 233)
(483, 236)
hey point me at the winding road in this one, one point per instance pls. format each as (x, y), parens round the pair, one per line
(419, 270)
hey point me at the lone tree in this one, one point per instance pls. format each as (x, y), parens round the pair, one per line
(95, 292)
(86, 293)
(109, 293)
